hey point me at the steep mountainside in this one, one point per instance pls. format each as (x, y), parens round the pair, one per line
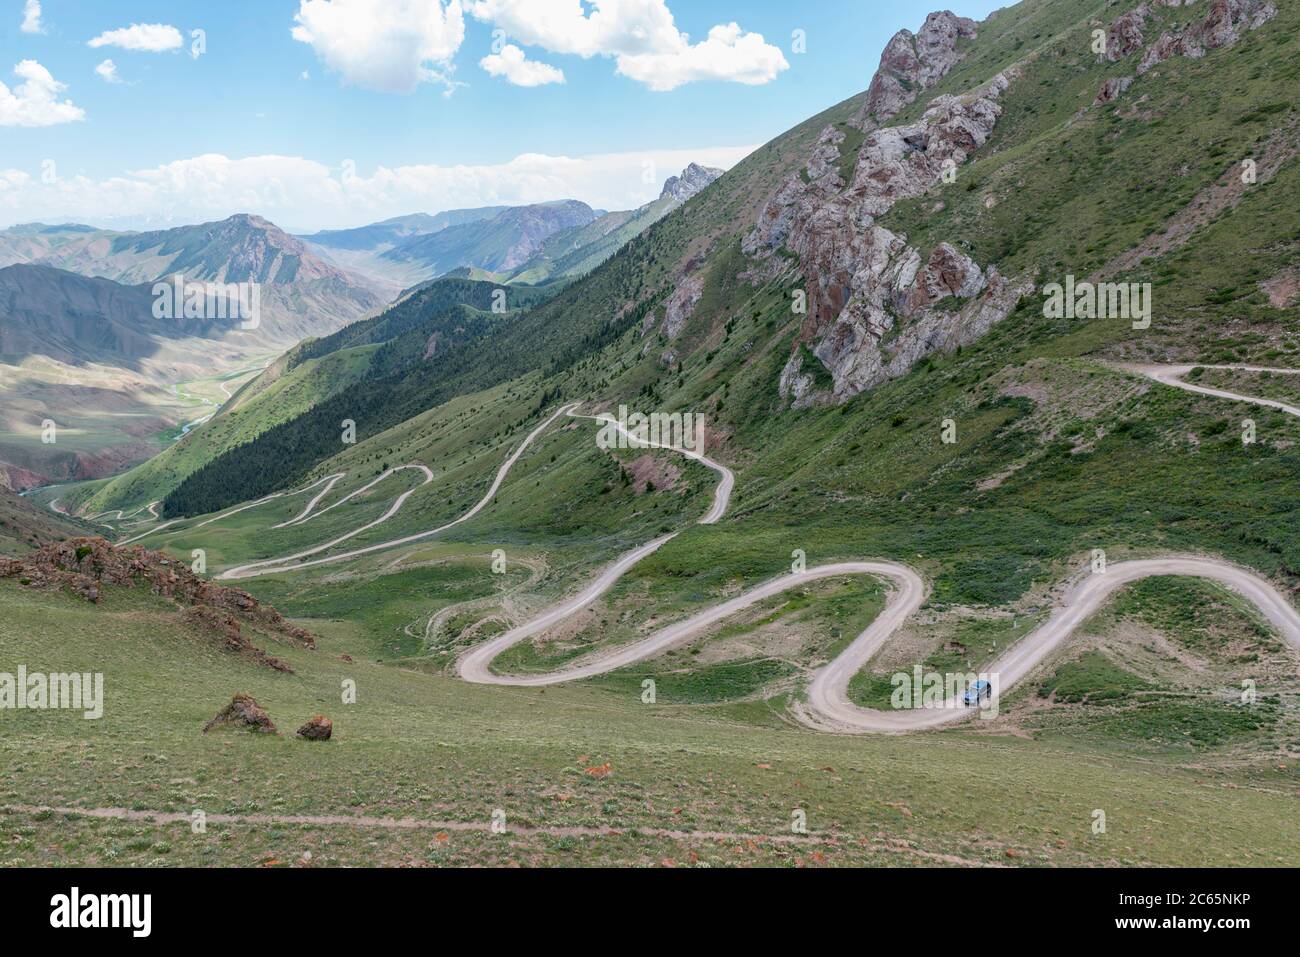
(26, 526)
(72, 319)
(339, 371)
(556, 241)
(361, 250)
(90, 356)
(893, 261)
(80, 344)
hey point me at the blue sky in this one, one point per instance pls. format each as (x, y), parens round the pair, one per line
(335, 94)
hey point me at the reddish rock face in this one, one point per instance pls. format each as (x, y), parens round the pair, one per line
(318, 728)
(1222, 26)
(912, 63)
(1125, 34)
(869, 292)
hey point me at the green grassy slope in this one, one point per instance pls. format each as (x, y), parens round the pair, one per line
(267, 401)
(25, 525)
(447, 754)
(1057, 452)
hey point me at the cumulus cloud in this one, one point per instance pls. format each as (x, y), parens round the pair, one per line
(32, 17)
(35, 101)
(107, 71)
(515, 66)
(641, 36)
(141, 37)
(304, 194)
(391, 46)
(729, 53)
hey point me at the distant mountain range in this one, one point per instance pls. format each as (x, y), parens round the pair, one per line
(391, 232)
(576, 251)
(80, 344)
(302, 294)
(531, 244)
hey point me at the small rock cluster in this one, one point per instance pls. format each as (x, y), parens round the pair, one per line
(245, 713)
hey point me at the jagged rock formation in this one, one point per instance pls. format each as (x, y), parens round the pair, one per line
(226, 625)
(912, 63)
(873, 301)
(1222, 27)
(85, 566)
(693, 179)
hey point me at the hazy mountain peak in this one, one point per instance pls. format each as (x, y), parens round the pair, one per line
(692, 179)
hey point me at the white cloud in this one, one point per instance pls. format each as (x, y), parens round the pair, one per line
(35, 102)
(301, 193)
(729, 53)
(107, 71)
(141, 37)
(391, 46)
(515, 66)
(32, 17)
(13, 179)
(641, 36)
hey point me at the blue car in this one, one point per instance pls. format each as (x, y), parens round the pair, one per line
(980, 689)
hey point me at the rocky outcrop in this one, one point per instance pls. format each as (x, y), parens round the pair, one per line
(873, 300)
(693, 179)
(227, 626)
(1125, 34)
(678, 307)
(911, 64)
(87, 566)
(1112, 89)
(317, 728)
(1228, 19)
(1223, 26)
(243, 712)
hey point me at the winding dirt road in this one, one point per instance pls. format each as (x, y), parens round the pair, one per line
(828, 707)
(288, 563)
(1172, 375)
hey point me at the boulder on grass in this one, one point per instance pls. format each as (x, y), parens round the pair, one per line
(243, 711)
(318, 728)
